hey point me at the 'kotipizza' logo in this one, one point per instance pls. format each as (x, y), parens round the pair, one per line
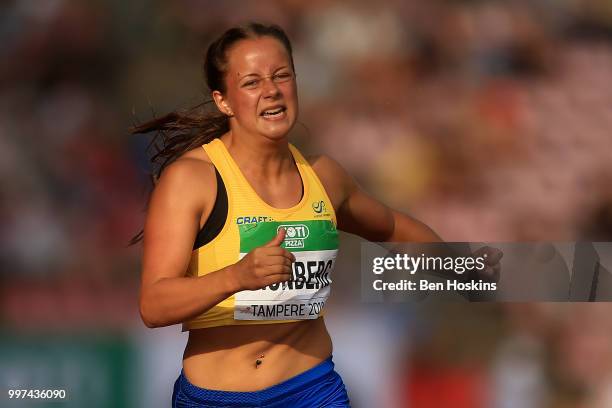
(294, 235)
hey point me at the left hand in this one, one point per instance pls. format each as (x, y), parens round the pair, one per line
(492, 269)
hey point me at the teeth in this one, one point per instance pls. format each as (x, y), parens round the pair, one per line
(273, 112)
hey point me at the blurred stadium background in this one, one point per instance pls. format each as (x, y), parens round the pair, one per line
(488, 120)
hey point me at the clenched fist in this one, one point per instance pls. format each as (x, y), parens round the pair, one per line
(491, 256)
(264, 265)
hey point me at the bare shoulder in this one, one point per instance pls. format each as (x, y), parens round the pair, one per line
(335, 179)
(190, 178)
(196, 154)
(192, 167)
(329, 169)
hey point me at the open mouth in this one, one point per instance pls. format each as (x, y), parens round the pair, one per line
(273, 112)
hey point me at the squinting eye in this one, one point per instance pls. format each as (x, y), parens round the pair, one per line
(251, 84)
(282, 77)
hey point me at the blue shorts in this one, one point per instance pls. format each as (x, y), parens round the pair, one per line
(320, 386)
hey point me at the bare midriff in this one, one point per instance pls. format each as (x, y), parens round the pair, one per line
(254, 357)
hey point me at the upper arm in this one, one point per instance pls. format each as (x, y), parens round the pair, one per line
(357, 212)
(179, 204)
(365, 216)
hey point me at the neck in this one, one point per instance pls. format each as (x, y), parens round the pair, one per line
(258, 155)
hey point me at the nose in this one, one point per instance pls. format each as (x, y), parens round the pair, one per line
(270, 88)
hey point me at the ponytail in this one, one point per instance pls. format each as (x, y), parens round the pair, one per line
(179, 132)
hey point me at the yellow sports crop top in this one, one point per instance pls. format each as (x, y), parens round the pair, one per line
(311, 236)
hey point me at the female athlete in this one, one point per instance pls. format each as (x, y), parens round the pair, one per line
(240, 236)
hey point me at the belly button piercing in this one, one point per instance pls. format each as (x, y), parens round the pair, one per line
(259, 361)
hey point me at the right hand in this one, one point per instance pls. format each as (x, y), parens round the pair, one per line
(264, 266)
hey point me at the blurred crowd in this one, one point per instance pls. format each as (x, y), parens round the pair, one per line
(488, 120)
(530, 356)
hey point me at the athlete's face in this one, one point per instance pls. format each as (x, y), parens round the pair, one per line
(261, 94)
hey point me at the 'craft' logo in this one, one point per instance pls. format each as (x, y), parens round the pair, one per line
(252, 220)
(295, 235)
(318, 206)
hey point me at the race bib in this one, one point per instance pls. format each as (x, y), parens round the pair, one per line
(315, 246)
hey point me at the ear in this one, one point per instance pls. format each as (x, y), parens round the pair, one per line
(222, 103)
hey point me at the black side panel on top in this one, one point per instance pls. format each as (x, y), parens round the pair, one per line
(216, 220)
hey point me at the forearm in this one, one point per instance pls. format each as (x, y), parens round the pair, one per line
(175, 300)
(408, 229)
